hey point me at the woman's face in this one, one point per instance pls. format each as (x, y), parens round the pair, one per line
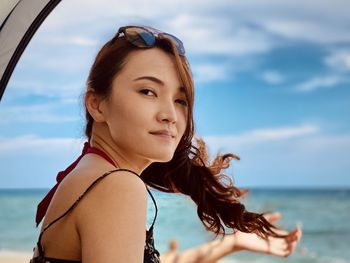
(147, 97)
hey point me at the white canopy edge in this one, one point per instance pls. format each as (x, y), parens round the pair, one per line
(6, 8)
(24, 19)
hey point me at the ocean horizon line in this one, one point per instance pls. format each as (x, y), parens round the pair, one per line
(272, 188)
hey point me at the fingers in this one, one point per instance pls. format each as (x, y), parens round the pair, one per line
(171, 256)
(295, 234)
(284, 247)
(293, 240)
(299, 233)
(273, 217)
(280, 231)
(173, 245)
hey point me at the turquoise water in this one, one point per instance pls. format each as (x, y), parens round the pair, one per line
(323, 214)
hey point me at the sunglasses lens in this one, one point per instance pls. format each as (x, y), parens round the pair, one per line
(140, 37)
(178, 43)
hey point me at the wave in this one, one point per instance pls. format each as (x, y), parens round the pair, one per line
(319, 232)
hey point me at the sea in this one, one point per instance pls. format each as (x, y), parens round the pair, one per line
(323, 214)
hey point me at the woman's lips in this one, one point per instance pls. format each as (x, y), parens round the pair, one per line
(163, 134)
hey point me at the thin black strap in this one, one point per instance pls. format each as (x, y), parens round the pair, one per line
(154, 202)
(81, 196)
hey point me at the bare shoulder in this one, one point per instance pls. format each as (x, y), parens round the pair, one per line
(113, 212)
(113, 189)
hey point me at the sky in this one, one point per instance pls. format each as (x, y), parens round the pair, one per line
(272, 85)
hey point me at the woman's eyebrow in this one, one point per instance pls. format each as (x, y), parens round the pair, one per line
(156, 80)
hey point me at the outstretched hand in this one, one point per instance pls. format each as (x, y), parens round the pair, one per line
(282, 247)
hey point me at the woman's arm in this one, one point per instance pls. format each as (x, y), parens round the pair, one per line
(217, 249)
(207, 253)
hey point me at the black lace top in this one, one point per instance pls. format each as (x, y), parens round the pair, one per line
(151, 254)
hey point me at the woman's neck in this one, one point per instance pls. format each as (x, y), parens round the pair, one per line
(102, 139)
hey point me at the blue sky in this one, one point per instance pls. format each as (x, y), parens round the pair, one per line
(272, 86)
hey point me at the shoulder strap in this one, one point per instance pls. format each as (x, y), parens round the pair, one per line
(82, 195)
(155, 205)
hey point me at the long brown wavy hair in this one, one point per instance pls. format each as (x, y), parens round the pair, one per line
(189, 172)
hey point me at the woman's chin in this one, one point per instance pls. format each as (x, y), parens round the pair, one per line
(163, 158)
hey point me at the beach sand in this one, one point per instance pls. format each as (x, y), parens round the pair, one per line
(15, 257)
(23, 257)
(20, 257)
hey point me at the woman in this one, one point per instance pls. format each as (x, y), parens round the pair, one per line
(139, 111)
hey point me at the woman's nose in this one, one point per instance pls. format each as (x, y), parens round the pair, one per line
(167, 112)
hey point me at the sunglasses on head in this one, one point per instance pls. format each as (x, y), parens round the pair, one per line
(145, 37)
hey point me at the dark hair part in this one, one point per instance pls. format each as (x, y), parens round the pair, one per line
(189, 172)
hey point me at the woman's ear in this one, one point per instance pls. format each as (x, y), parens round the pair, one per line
(93, 103)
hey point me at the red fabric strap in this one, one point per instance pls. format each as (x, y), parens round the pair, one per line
(44, 204)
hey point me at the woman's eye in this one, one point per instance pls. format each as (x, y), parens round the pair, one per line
(147, 92)
(182, 102)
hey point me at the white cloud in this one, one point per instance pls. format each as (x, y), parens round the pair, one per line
(259, 136)
(272, 77)
(213, 35)
(65, 90)
(218, 35)
(74, 31)
(41, 113)
(339, 60)
(307, 30)
(52, 60)
(209, 72)
(33, 143)
(226, 27)
(319, 82)
(321, 22)
(281, 133)
(302, 156)
(40, 159)
(78, 40)
(286, 156)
